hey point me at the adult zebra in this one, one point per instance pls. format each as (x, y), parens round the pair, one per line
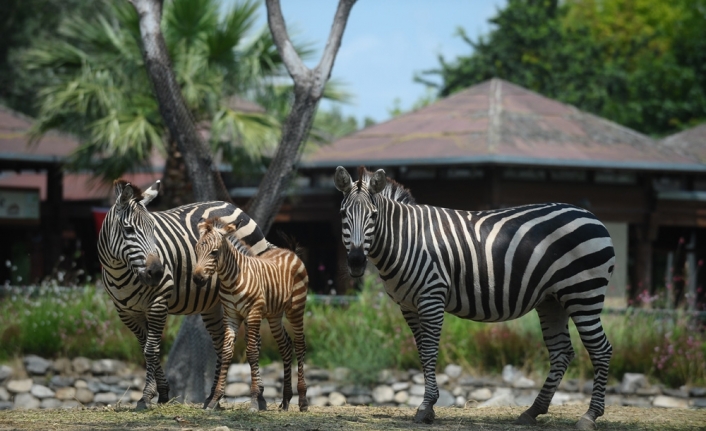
(147, 262)
(488, 266)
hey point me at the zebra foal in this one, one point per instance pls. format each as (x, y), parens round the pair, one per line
(488, 266)
(252, 288)
(147, 259)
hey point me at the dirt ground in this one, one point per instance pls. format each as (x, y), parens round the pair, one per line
(237, 417)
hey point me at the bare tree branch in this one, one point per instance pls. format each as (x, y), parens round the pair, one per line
(323, 70)
(278, 28)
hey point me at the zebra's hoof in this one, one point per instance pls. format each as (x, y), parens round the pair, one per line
(141, 405)
(303, 407)
(284, 406)
(585, 423)
(424, 416)
(261, 403)
(526, 419)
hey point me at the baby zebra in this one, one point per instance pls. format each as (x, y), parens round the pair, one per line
(252, 288)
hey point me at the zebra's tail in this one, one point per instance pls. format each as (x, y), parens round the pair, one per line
(291, 243)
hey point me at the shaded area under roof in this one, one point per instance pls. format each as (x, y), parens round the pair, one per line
(496, 122)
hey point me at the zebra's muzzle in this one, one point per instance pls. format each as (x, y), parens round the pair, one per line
(153, 271)
(356, 262)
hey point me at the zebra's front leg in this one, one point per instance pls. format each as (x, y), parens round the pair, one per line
(224, 349)
(138, 325)
(254, 318)
(149, 333)
(426, 326)
(284, 344)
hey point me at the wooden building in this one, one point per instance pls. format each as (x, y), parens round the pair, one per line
(497, 145)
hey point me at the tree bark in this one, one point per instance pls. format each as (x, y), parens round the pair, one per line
(308, 89)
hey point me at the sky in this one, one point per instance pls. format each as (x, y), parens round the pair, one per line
(385, 43)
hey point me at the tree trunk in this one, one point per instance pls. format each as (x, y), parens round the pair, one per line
(176, 189)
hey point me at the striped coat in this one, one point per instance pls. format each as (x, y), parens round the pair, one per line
(488, 266)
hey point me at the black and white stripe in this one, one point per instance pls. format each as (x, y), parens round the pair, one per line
(147, 262)
(488, 266)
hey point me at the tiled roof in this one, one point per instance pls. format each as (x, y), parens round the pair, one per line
(502, 123)
(690, 142)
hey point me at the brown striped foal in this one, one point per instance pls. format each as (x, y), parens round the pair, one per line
(252, 288)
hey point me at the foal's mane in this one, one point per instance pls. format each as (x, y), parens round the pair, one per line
(393, 190)
(243, 248)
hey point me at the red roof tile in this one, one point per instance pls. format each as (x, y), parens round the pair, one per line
(690, 142)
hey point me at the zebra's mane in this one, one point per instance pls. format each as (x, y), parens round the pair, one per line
(137, 192)
(393, 190)
(216, 222)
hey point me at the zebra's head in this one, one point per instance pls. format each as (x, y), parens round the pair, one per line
(213, 234)
(134, 234)
(359, 214)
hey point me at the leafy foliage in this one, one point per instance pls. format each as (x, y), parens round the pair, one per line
(640, 63)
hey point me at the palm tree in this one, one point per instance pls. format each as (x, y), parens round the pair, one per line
(100, 91)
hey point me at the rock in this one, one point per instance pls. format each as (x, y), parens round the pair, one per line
(79, 384)
(416, 390)
(317, 374)
(5, 373)
(383, 394)
(453, 371)
(503, 397)
(237, 390)
(36, 365)
(631, 382)
(636, 402)
(270, 392)
(62, 366)
(19, 386)
(418, 379)
(560, 398)
(458, 391)
(569, 385)
(445, 399)
(509, 373)
(400, 386)
(70, 404)
(135, 396)
(385, 376)
(105, 398)
(50, 403)
(677, 393)
(84, 395)
(526, 399)
(319, 401)
(442, 379)
(694, 392)
(649, 391)
(62, 381)
(359, 400)
(352, 390)
(4, 395)
(340, 374)
(401, 397)
(522, 382)
(328, 388)
(415, 400)
(25, 401)
(81, 365)
(65, 393)
(336, 399)
(41, 392)
(107, 366)
(460, 401)
(482, 394)
(6, 405)
(698, 403)
(670, 402)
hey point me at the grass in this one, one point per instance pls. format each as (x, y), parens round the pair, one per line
(366, 336)
(237, 417)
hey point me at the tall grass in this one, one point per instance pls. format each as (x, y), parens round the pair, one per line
(366, 336)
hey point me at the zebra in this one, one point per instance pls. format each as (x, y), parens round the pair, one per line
(488, 266)
(253, 288)
(147, 259)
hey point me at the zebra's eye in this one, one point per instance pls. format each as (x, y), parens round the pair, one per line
(214, 252)
(129, 230)
(343, 211)
(374, 215)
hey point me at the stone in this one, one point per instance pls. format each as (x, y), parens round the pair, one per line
(4, 394)
(336, 399)
(6, 405)
(636, 402)
(385, 376)
(699, 403)
(70, 404)
(415, 400)
(105, 398)
(649, 391)
(460, 401)
(631, 382)
(526, 399)
(84, 395)
(453, 371)
(107, 366)
(340, 374)
(328, 388)
(503, 397)
(482, 394)
(677, 393)
(135, 396)
(80, 384)
(587, 387)
(569, 385)
(36, 365)
(383, 394)
(19, 386)
(509, 373)
(670, 402)
(400, 386)
(359, 400)
(416, 390)
(458, 391)
(445, 399)
(41, 392)
(61, 381)
(65, 393)
(237, 390)
(694, 392)
(81, 365)
(319, 401)
(560, 398)
(401, 397)
(522, 382)
(418, 379)
(5, 373)
(317, 374)
(442, 379)
(50, 403)
(25, 401)
(353, 390)
(62, 366)
(270, 392)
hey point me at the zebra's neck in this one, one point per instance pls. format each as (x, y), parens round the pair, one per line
(386, 231)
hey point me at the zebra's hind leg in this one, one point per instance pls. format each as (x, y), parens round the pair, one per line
(284, 344)
(600, 351)
(217, 326)
(257, 401)
(296, 319)
(426, 327)
(555, 331)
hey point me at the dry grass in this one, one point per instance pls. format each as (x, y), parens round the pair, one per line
(237, 417)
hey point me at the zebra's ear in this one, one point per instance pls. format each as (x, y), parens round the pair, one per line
(124, 193)
(201, 226)
(342, 180)
(377, 182)
(229, 228)
(150, 193)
